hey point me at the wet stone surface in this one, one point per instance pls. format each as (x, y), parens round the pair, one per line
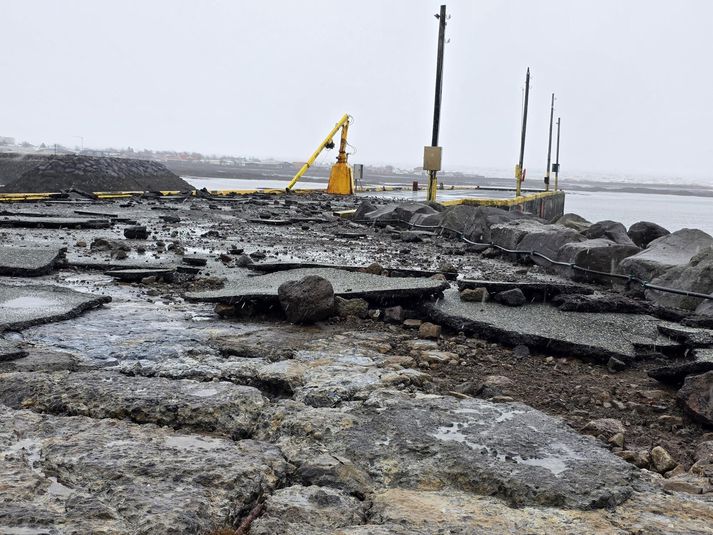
(216, 407)
(83, 475)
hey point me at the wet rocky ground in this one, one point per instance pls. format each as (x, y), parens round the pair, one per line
(172, 396)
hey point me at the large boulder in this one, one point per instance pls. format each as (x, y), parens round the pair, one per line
(696, 276)
(475, 222)
(610, 230)
(531, 235)
(598, 255)
(574, 221)
(705, 308)
(307, 300)
(662, 254)
(644, 232)
(696, 397)
(397, 214)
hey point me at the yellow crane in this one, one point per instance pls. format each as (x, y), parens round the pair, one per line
(341, 181)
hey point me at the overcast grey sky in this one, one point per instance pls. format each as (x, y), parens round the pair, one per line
(270, 77)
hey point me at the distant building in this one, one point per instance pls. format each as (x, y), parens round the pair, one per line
(7, 140)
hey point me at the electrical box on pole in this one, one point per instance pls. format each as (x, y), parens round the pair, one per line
(432, 158)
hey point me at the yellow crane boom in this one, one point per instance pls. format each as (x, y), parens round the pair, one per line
(340, 177)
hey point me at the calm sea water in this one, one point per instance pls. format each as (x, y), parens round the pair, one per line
(671, 211)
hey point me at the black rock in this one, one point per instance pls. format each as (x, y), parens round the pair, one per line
(307, 300)
(136, 233)
(511, 298)
(644, 232)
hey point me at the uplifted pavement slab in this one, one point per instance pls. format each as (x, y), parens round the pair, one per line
(135, 275)
(216, 407)
(29, 261)
(83, 475)
(582, 334)
(25, 306)
(54, 222)
(700, 361)
(422, 442)
(689, 336)
(533, 290)
(347, 284)
(272, 267)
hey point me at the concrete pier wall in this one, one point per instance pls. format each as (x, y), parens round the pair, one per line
(547, 205)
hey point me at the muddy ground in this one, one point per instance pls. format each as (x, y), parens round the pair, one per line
(149, 331)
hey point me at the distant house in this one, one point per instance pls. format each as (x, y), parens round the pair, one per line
(7, 140)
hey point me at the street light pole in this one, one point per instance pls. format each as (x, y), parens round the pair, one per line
(549, 146)
(521, 161)
(557, 156)
(432, 181)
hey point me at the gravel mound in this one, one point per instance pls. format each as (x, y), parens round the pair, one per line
(86, 173)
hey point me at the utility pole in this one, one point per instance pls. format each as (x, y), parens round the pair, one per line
(556, 167)
(549, 146)
(434, 168)
(521, 161)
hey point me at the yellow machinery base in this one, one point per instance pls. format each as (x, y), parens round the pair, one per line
(341, 181)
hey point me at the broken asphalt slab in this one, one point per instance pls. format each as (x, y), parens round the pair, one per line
(273, 267)
(136, 275)
(675, 373)
(29, 261)
(54, 222)
(347, 284)
(598, 336)
(26, 306)
(533, 290)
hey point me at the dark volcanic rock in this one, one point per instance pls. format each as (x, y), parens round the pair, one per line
(136, 233)
(644, 232)
(94, 174)
(696, 395)
(511, 298)
(611, 230)
(307, 300)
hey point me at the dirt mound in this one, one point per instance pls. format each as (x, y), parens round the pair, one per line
(86, 173)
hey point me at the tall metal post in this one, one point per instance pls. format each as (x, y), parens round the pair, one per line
(549, 146)
(557, 155)
(521, 161)
(432, 181)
